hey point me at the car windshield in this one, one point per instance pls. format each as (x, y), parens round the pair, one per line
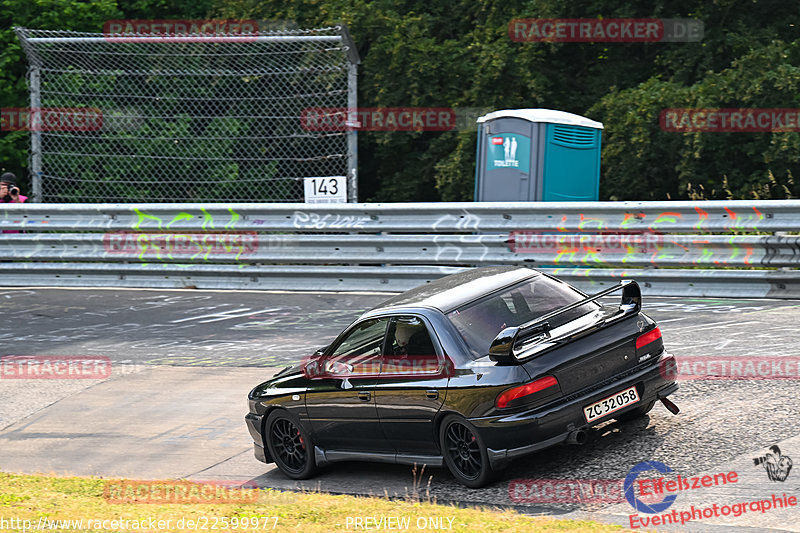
(479, 322)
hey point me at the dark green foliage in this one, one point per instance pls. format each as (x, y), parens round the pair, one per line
(45, 14)
(710, 165)
(457, 53)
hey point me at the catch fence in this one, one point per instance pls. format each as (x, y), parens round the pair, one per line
(192, 118)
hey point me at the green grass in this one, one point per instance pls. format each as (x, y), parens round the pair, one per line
(35, 498)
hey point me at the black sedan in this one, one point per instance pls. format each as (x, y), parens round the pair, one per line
(471, 371)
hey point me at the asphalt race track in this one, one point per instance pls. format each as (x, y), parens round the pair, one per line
(183, 361)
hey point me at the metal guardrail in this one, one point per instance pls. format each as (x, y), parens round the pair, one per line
(663, 250)
(688, 217)
(397, 246)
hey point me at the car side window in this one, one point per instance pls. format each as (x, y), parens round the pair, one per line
(359, 352)
(409, 351)
(408, 336)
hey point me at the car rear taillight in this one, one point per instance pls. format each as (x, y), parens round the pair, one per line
(525, 390)
(651, 336)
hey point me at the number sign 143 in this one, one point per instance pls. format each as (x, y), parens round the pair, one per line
(325, 190)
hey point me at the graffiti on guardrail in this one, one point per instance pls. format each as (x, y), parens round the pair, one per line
(167, 245)
(415, 243)
(707, 217)
(183, 245)
(610, 236)
(532, 241)
(604, 241)
(736, 220)
(182, 216)
(307, 221)
(446, 249)
(746, 220)
(647, 247)
(633, 238)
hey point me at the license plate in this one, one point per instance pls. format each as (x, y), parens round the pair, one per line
(615, 402)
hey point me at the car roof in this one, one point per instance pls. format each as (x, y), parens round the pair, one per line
(451, 292)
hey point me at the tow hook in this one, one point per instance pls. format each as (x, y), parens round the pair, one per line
(671, 406)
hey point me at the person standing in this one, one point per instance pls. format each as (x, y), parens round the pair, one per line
(9, 192)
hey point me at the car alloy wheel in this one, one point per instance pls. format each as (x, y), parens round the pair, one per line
(289, 445)
(464, 453)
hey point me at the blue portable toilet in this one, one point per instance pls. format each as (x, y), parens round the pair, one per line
(537, 155)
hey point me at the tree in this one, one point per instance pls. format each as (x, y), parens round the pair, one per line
(457, 53)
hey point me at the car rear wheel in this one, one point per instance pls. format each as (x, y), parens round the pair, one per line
(290, 445)
(464, 453)
(637, 413)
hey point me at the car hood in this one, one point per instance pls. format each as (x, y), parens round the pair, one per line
(289, 380)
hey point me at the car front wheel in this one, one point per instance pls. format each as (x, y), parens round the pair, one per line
(290, 446)
(464, 453)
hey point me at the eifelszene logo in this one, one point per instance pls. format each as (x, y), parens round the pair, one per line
(670, 487)
(630, 495)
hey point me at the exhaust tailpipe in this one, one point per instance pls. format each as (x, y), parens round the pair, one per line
(577, 437)
(671, 406)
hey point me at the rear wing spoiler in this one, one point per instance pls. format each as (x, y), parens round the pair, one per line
(505, 347)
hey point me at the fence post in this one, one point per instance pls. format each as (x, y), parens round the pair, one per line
(352, 136)
(36, 137)
(353, 61)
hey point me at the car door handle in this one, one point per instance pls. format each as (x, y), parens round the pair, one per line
(432, 394)
(364, 396)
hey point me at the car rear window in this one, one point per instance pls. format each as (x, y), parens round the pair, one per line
(480, 321)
